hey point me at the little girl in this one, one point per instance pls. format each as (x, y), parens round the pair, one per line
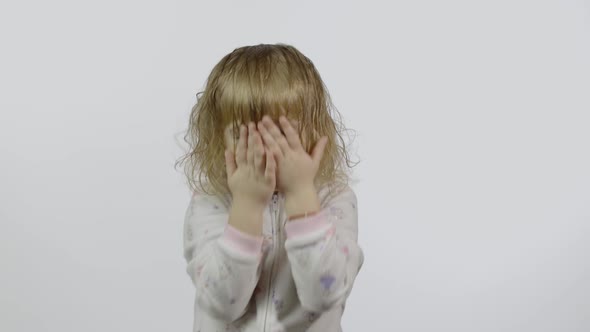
(270, 238)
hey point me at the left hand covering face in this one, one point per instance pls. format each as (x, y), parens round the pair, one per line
(295, 167)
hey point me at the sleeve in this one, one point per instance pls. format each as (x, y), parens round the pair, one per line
(324, 254)
(222, 262)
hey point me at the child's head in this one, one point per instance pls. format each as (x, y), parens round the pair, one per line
(246, 84)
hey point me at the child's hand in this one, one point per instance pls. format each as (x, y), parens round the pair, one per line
(295, 167)
(249, 176)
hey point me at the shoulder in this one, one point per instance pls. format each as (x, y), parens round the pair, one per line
(342, 193)
(206, 202)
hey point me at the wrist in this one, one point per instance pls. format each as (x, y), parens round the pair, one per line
(244, 203)
(302, 202)
(246, 216)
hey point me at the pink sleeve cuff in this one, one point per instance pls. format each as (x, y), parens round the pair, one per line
(243, 241)
(306, 225)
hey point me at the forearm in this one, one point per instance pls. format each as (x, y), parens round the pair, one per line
(223, 258)
(323, 251)
(228, 271)
(225, 279)
(324, 267)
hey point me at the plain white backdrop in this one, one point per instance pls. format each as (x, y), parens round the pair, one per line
(472, 123)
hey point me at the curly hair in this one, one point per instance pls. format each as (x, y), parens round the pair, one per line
(248, 83)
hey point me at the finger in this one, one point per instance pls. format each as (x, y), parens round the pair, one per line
(291, 134)
(251, 144)
(276, 134)
(230, 164)
(270, 165)
(259, 154)
(241, 147)
(295, 125)
(270, 142)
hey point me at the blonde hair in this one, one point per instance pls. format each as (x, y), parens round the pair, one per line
(248, 83)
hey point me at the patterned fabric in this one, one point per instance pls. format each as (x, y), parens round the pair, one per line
(295, 277)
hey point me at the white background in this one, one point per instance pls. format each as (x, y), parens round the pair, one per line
(472, 122)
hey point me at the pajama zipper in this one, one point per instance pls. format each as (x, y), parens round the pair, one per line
(274, 241)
